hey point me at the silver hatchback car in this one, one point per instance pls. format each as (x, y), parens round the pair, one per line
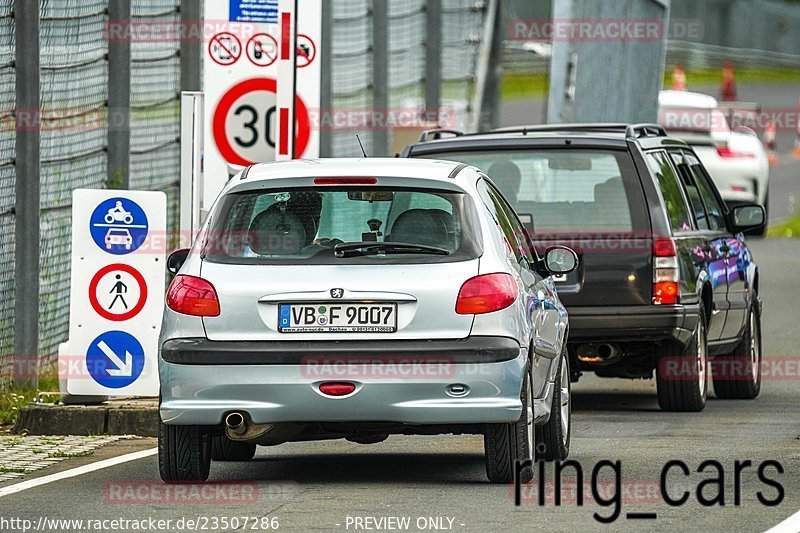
(357, 299)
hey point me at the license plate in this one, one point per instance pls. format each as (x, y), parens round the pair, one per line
(337, 318)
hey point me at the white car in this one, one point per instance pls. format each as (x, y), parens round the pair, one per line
(735, 159)
(359, 298)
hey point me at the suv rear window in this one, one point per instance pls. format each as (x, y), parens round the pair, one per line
(303, 225)
(565, 191)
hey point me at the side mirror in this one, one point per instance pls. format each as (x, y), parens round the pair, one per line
(560, 260)
(176, 260)
(749, 216)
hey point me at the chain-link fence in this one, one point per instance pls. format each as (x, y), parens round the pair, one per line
(7, 183)
(352, 62)
(155, 106)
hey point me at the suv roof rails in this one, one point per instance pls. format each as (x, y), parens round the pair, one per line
(437, 133)
(637, 131)
(620, 127)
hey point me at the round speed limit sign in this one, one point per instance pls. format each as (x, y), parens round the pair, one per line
(245, 123)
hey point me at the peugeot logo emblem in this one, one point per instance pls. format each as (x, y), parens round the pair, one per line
(337, 293)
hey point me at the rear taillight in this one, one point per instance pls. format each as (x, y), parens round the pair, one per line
(194, 296)
(727, 153)
(665, 272)
(486, 293)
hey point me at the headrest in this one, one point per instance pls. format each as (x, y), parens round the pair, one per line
(276, 232)
(420, 226)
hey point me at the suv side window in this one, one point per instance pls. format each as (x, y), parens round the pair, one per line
(511, 229)
(677, 210)
(716, 217)
(692, 191)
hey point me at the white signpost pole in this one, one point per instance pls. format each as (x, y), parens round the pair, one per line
(191, 165)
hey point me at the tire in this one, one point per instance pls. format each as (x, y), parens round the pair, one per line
(505, 444)
(737, 376)
(682, 375)
(184, 453)
(552, 439)
(225, 449)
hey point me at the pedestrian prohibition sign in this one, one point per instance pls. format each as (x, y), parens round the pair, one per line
(118, 292)
(115, 359)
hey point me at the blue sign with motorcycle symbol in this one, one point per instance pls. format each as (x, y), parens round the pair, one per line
(118, 226)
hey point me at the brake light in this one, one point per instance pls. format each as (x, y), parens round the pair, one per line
(727, 153)
(337, 388)
(665, 272)
(486, 293)
(194, 296)
(346, 181)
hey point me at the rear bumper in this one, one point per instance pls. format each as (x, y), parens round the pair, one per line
(633, 323)
(392, 385)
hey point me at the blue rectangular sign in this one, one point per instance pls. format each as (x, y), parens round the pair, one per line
(265, 11)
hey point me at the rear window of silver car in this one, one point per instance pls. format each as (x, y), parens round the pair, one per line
(305, 225)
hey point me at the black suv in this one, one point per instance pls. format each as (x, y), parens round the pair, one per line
(666, 281)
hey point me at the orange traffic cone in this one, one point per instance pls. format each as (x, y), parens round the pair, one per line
(770, 143)
(797, 137)
(728, 91)
(678, 78)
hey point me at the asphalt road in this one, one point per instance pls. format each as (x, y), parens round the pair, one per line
(329, 485)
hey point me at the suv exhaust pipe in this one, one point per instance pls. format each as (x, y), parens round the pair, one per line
(600, 354)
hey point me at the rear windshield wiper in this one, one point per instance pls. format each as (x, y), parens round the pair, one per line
(342, 249)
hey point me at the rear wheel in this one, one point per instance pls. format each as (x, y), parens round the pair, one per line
(682, 374)
(506, 444)
(552, 439)
(738, 375)
(225, 449)
(184, 453)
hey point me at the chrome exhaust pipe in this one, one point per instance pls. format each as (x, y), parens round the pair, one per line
(600, 354)
(235, 423)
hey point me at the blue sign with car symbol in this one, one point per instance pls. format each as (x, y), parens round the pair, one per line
(118, 226)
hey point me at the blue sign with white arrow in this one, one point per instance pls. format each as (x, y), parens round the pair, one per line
(118, 226)
(115, 359)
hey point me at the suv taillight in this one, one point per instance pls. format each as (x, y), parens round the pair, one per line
(486, 293)
(665, 272)
(194, 296)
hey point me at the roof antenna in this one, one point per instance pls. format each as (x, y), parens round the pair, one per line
(361, 145)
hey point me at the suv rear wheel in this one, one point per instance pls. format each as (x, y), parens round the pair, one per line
(225, 449)
(738, 375)
(184, 453)
(505, 444)
(682, 374)
(552, 439)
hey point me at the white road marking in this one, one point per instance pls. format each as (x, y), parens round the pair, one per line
(85, 469)
(790, 525)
